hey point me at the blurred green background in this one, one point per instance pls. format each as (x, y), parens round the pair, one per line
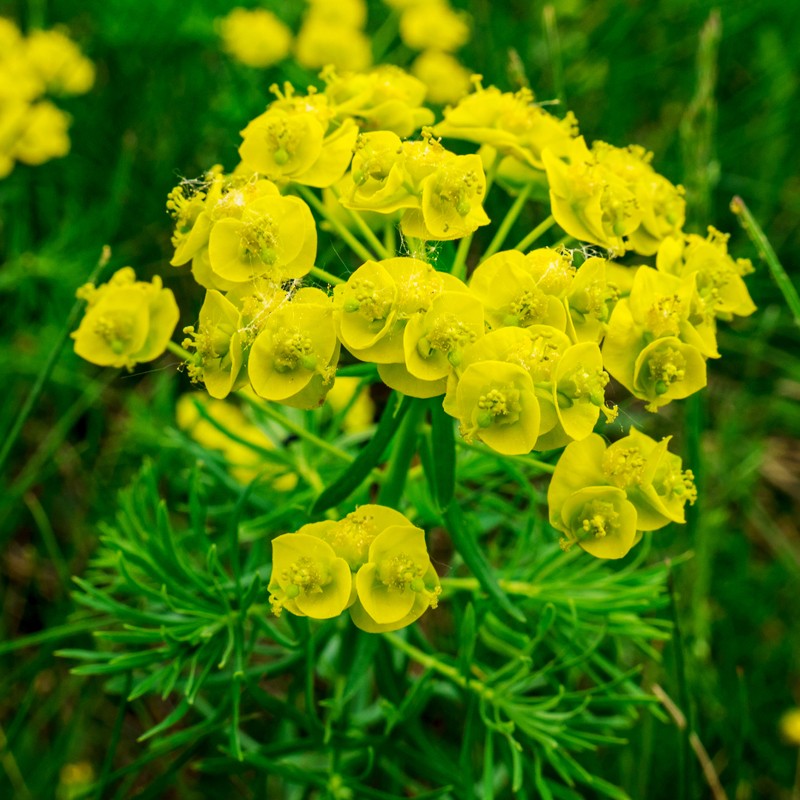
(167, 103)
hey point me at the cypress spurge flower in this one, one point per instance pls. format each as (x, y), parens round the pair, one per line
(718, 276)
(590, 300)
(398, 583)
(588, 200)
(293, 359)
(217, 342)
(274, 236)
(308, 578)
(126, 321)
(512, 295)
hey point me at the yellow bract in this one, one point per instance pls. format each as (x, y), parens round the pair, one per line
(126, 321)
(434, 25)
(445, 77)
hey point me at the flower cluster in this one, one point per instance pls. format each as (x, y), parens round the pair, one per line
(33, 129)
(521, 343)
(332, 34)
(373, 562)
(602, 498)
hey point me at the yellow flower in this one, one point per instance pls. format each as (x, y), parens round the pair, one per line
(790, 726)
(434, 340)
(398, 582)
(319, 44)
(434, 25)
(255, 37)
(378, 180)
(59, 62)
(43, 134)
(451, 201)
(274, 236)
(352, 13)
(552, 269)
(511, 123)
(375, 305)
(597, 517)
(126, 321)
(661, 205)
(651, 346)
(308, 578)
(589, 201)
(293, 359)
(217, 342)
(351, 396)
(446, 79)
(590, 301)
(719, 277)
(385, 99)
(295, 140)
(496, 402)
(512, 295)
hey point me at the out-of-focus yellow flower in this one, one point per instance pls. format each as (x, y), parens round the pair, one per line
(434, 25)
(319, 44)
(360, 407)
(126, 321)
(385, 99)
(445, 77)
(222, 426)
(255, 37)
(509, 122)
(351, 13)
(789, 726)
(42, 134)
(59, 62)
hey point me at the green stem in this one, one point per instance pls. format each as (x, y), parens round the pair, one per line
(767, 253)
(431, 662)
(508, 221)
(10, 438)
(348, 237)
(541, 228)
(177, 350)
(473, 585)
(543, 466)
(325, 276)
(366, 231)
(389, 243)
(300, 431)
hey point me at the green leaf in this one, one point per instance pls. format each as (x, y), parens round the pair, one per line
(443, 451)
(353, 475)
(467, 637)
(465, 539)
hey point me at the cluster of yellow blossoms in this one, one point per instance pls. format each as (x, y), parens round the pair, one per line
(332, 35)
(373, 562)
(521, 346)
(32, 129)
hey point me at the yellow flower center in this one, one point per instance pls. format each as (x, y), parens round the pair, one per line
(448, 335)
(666, 367)
(498, 406)
(527, 309)
(664, 316)
(293, 348)
(305, 576)
(115, 330)
(258, 240)
(583, 383)
(599, 519)
(624, 466)
(374, 304)
(401, 572)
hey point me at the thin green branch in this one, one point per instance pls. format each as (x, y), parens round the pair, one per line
(508, 221)
(765, 250)
(539, 230)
